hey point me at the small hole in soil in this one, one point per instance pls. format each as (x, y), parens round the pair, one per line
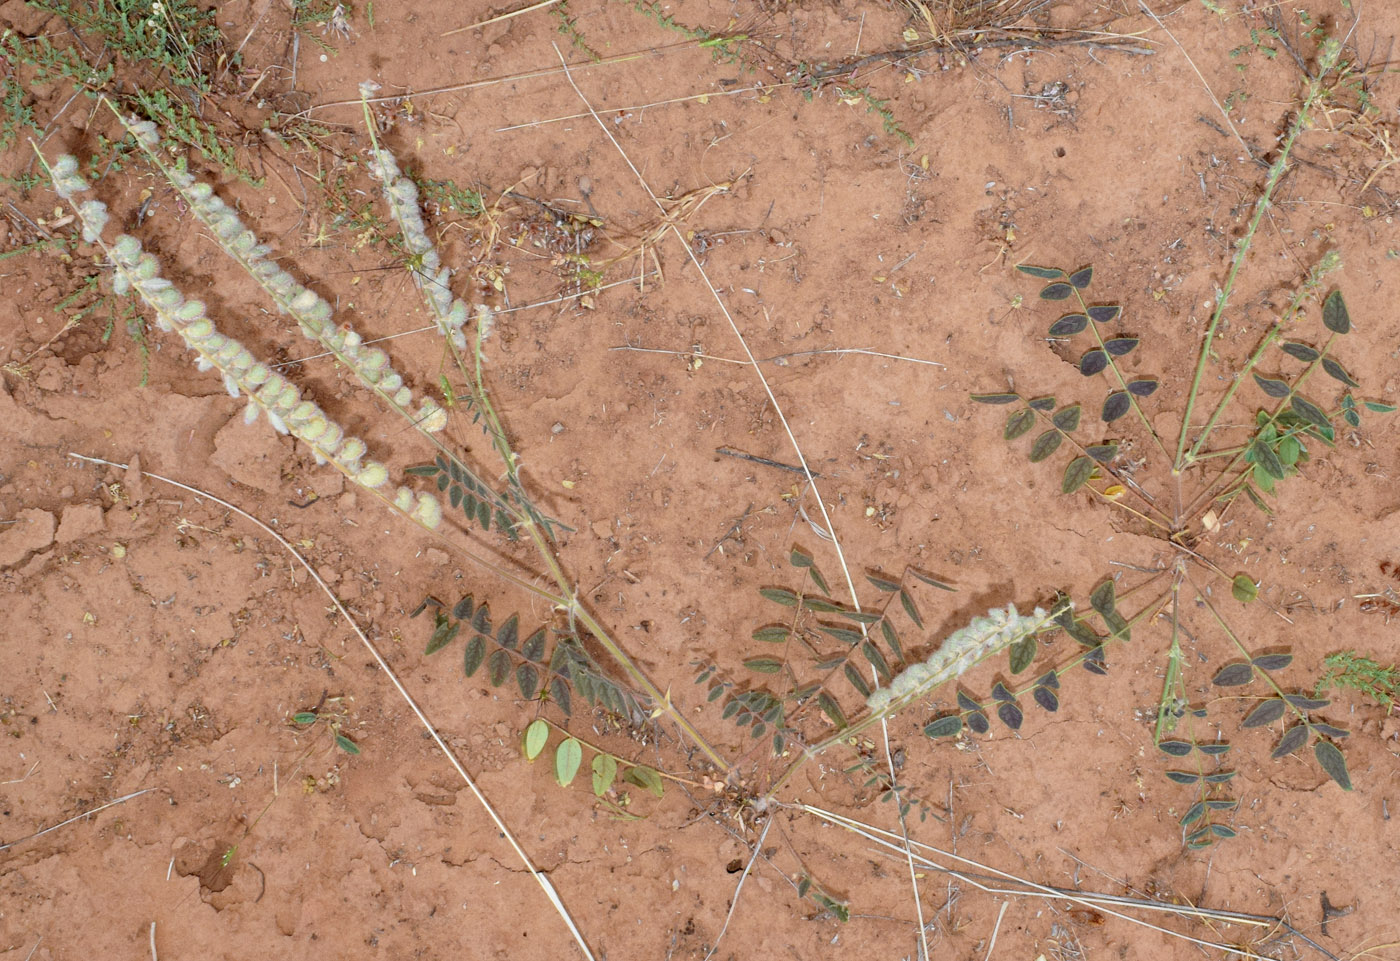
(1059, 151)
(735, 866)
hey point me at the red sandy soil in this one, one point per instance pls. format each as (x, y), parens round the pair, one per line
(156, 642)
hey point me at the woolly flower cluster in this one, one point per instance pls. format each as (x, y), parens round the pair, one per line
(310, 310)
(286, 409)
(999, 629)
(431, 276)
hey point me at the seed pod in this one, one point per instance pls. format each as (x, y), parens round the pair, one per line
(126, 249)
(403, 396)
(429, 511)
(404, 499)
(313, 429)
(257, 375)
(372, 475)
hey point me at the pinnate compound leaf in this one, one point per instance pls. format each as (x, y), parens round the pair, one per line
(1011, 715)
(1142, 387)
(1115, 405)
(1337, 372)
(1045, 445)
(1272, 662)
(1067, 419)
(1243, 588)
(995, 398)
(498, 668)
(567, 758)
(1336, 319)
(1018, 423)
(1069, 325)
(1272, 386)
(1293, 738)
(1120, 346)
(1175, 747)
(1046, 698)
(948, 726)
(1056, 291)
(1233, 675)
(1077, 473)
(604, 772)
(779, 595)
(1104, 313)
(536, 737)
(1044, 273)
(764, 665)
(1081, 277)
(1093, 362)
(1264, 714)
(1022, 654)
(1302, 352)
(472, 656)
(1330, 759)
(1310, 412)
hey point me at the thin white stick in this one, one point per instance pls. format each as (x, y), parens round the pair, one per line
(646, 106)
(734, 902)
(540, 879)
(1199, 76)
(154, 956)
(777, 358)
(997, 928)
(79, 817)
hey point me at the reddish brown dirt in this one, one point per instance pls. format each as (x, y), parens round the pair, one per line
(155, 642)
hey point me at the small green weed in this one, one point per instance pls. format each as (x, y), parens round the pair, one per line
(1356, 672)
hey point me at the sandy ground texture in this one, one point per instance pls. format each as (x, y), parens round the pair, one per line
(855, 185)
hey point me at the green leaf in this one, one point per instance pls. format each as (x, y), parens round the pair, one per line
(1115, 405)
(1022, 654)
(764, 665)
(536, 737)
(1043, 404)
(1081, 278)
(527, 678)
(799, 558)
(771, 635)
(567, 758)
(1213, 750)
(498, 668)
(891, 638)
(1304, 703)
(1011, 715)
(995, 398)
(1176, 748)
(559, 690)
(1244, 589)
(1293, 738)
(508, 634)
(1044, 273)
(1057, 291)
(645, 777)
(346, 745)
(779, 595)
(1183, 777)
(1102, 599)
(1069, 325)
(947, 726)
(876, 659)
(443, 634)
(1331, 760)
(843, 634)
(604, 771)
(1103, 453)
(1301, 351)
(832, 709)
(1336, 319)
(1120, 346)
(883, 584)
(1265, 713)
(1193, 814)
(1289, 450)
(1310, 412)
(1233, 675)
(462, 610)
(1077, 474)
(907, 602)
(422, 470)
(1337, 372)
(978, 722)
(1018, 423)
(1046, 698)
(1045, 445)
(1067, 418)
(1264, 457)
(1272, 662)
(472, 656)
(1093, 362)
(533, 648)
(1378, 408)
(304, 717)
(1104, 313)
(856, 680)
(481, 620)
(932, 582)
(1272, 386)
(1142, 387)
